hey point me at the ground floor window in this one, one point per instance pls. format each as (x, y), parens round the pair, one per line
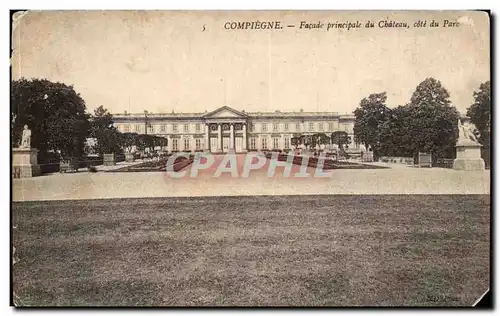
(175, 145)
(253, 143)
(276, 142)
(198, 143)
(264, 143)
(186, 144)
(287, 143)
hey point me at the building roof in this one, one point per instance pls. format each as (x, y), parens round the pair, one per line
(276, 114)
(295, 114)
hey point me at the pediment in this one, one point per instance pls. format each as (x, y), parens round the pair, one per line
(224, 112)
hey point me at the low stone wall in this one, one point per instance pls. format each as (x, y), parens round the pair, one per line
(444, 163)
(328, 163)
(401, 160)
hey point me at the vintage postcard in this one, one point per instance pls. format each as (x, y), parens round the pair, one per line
(250, 158)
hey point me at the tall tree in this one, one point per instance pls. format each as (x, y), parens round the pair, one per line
(161, 141)
(129, 140)
(296, 140)
(145, 141)
(369, 118)
(433, 122)
(340, 138)
(54, 112)
(319, 139)
(480, 115)
(395, 136)
(102, 129)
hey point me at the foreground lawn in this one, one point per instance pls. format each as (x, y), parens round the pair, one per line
(283, 250)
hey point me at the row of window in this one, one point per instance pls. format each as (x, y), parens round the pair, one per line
(286, 127)
(264, 127)
(187, 144)
(199, 144)
(159, 128)
(253, 143)
(275, 140)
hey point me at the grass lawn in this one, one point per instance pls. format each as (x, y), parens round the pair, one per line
(383, 250)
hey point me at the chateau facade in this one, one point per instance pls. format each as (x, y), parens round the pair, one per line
(229, 130)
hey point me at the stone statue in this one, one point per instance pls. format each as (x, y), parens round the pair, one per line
(466, 132)
(26, 139)
(468, 150)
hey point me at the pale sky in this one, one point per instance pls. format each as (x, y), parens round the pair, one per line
(162, 61)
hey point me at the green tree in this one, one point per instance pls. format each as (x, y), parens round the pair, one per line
(395, 136)
(129, 140)
(317, 139)
(160, 141)
(145, 141)
(102, 129)
(296, 140)
(480, 115)
(433, 120)
(369, 118)
(340, 138)
(54, 112)
(308, 141)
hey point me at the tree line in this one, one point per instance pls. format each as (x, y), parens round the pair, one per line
(428, 123)
(339, 138)
(60, 123)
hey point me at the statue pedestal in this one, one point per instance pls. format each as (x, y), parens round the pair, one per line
(129, 157)
(24, 163)
(468, 156)
(367, 156)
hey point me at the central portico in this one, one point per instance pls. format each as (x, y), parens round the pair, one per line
(226, 130)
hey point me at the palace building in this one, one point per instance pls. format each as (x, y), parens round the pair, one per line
(229, 130)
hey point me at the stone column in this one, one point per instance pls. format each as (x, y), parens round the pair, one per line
(192, 143)
(231, 137)
(219, 139)
(169, 144)
(206, 146)
(244, 138)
